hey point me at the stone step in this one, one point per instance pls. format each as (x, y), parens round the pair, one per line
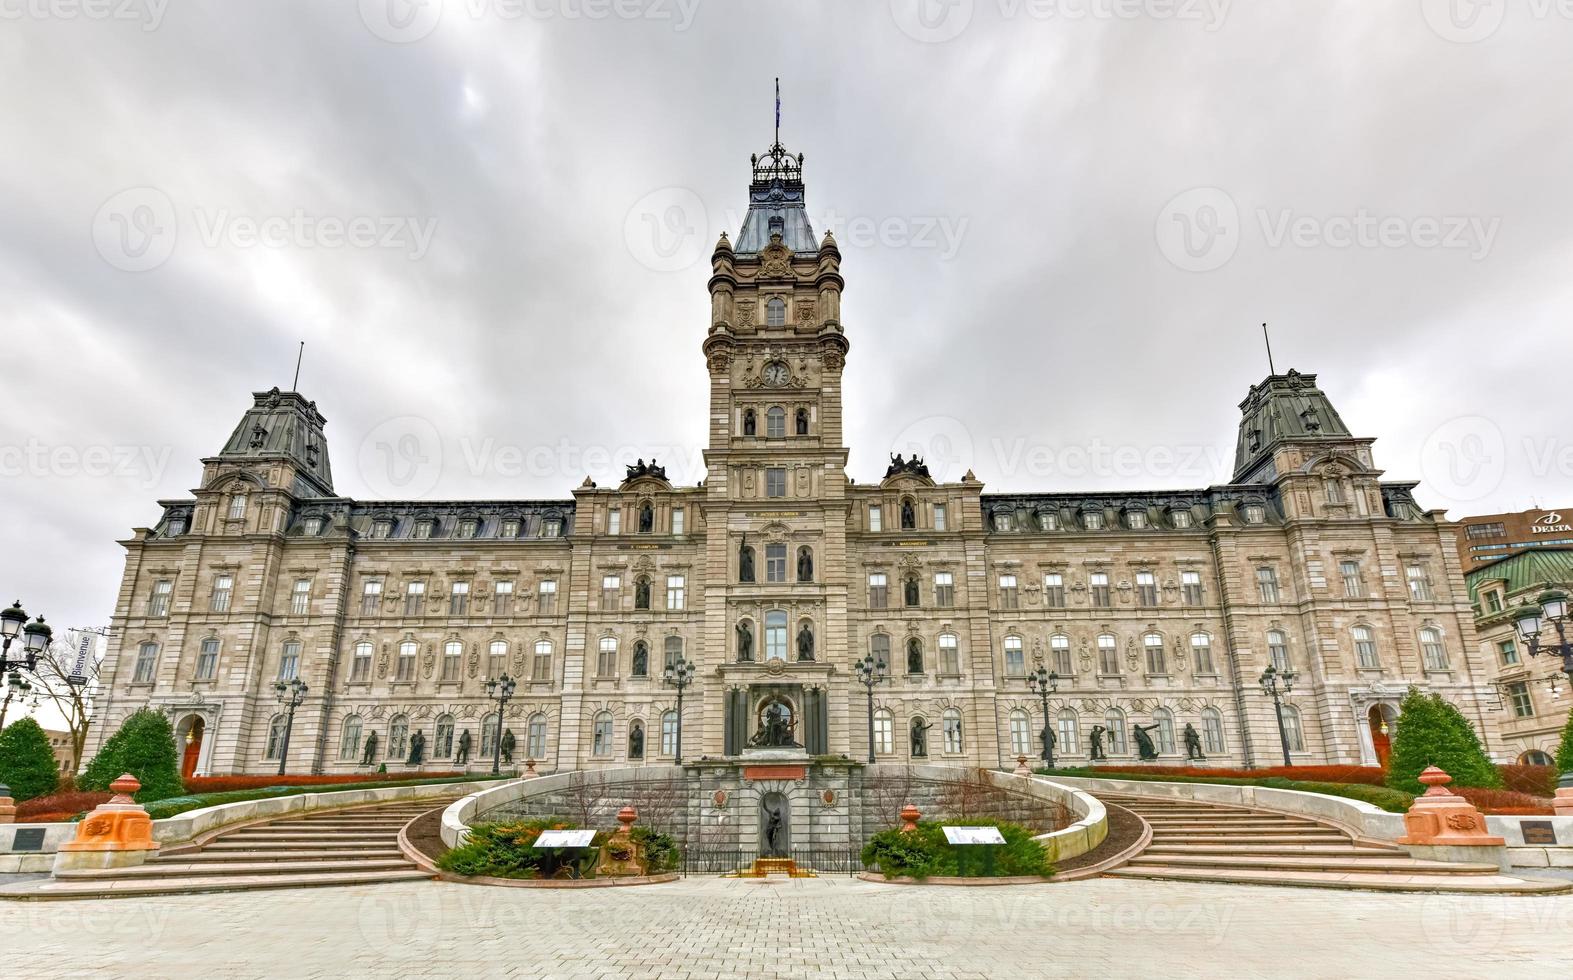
(1301, 838)
(393, 826)
(1268, 822)
(1380, 881)
(225, 844)
(1272, 850)
(173, 869)
(59, 889)
(1363, 863)
(303, 854)
(269, 834)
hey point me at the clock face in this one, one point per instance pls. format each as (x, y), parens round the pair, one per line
(776, 374)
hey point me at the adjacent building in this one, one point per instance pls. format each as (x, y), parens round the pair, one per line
(779, 571)
(1492, 537)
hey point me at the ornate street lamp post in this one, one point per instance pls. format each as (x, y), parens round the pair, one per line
(871, 672)
(290, 695)
(679, 674)
(35, 638)
(1043, 682)
(499, 689)
(17, 688)
(1532, 621)
(1277, 684)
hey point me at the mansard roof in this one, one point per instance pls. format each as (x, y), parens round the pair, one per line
(1283, 408)
(282, 424)
(776, 206)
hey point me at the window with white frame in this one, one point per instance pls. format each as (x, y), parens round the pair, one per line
(775, 312)
(1202, 654)
(1508, 650)
(535, 742)
(452, 660)
(1354, 582)
(275, 744)
(442, 744)
(300, 597)
(669, 733)
(237, 507)
(1152, 644)
(1267, 584)
(678, 521)
(939, 517)
(1212, 731)
(1136, 520)
(611, 591)
(1092, 520)
(459, 599)
(884, 732)
(207, 659)
(1253, 513)
(875, 518)
(1108, 655)
(775, 481)
(509, 527)
(1278, 650)
(1054, 590)
(1146, 589)
(502, 598)
(349, 738)
(775, 562)
(1069, 735)
(1009, 597)
(158, 601)
(541, 665)
(1419, 577)
(601, 743)
(491, 732)
(404, 670)
(879, 649)
(1293, 731)
(1365, 647)
(606, 659)
(425, 529)
(1060, 654)
(360, 662)
(1518, 696)
(1431, 649)
(1020, 733)
(414, 598)
(614, 520)
(1114, 721)
(1048, 520)
(371, 597)
(951, 722)
(289, 661)
(878, 590)
(775, 422)
(1181, 519)
(1015, 659)
(547, 597)
(1164, 719)
(223, 593)
(775, 635)
(147, 664)
(944, 589)
(949, 654)
(672, 652)
(675, 592)
(398, 736)
(1098, 583)
(496, 658)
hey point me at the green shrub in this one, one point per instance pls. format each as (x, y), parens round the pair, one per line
(1431, 731)
(507, 850)
(27, 763)
(1565, 751)
(925, 853)
(660, 849)
(144, 747)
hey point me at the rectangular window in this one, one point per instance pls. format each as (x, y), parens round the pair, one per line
(878, 590)
(944, 590)
(300, 597)
(541, 669)
(1092, 520)
(614, 521)
(1523, 706)
(1009, 598)
(503, 604)
(1433, 652)
(1152, 645)
(775, 563)
(1365, 648)
(289, 661)
(207, 660)
(147, 663)
(1060, 650)
(939, 517)
(775, 424)
(1136, 520)
(459, 599)
(611, 591)
(237, 507)
(1509, 652)
(1146, 589)
(1492, 530)
(875, 521)
(469, 527)
(405, 671)
(1015, 659)
(1494, 601)
(952, 728)
(677, 521)
(548, 597)
(949, 654)
(223, 592)
(1202, 654)
(1334, 491)
(509, 528)
(1054, 590)
(672, 652)
(1267, 584)
(1191, 588)
(158, 602)
(371, 597)
(551, 529)
(360, 664)
(1181, 519)
(424, 529)
(879, 647)
(452, 658)
(606, 659)
(775, 482)
(1099, 583)
(1354, 582)
(382, 529)
(674, 592)
(1419, 583)
(884, 733)
(415, 598)
(1108, 655)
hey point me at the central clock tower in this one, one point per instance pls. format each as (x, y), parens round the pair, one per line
(776, 501)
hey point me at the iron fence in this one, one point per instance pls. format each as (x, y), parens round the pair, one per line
(726, 861)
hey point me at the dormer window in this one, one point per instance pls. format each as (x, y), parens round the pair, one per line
(1092, 520)
(552, 528)
(1253, 513)
(382, 529)
(237, 507)
(1180, 518)
(1136, 520)
(1003, 521)
(469, 527)
(1048, 521)
(775, 312)
(313, 526)
(424, 529)
(510, 527)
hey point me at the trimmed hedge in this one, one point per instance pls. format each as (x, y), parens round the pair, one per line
(27, 763)
(925, 853)
(1391, 800)
(1432, 731)
(145, 747)
(1565, 750)
(224, 784)
(180, 804)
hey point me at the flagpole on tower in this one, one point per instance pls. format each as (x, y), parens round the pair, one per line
(1268, 340)
(778, 110)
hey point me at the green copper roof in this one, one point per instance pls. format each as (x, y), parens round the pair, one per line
(1284, 408)
(1526, 571)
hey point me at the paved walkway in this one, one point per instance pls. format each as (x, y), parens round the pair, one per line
(830, 928)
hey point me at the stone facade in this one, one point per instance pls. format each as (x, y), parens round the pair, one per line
(1152, 607)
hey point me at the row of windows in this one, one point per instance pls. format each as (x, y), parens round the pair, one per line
(221, 598)
(445, 740)
(645, 520)
(775, 422)
(776, 569)
(465, 528)
(1024, 740)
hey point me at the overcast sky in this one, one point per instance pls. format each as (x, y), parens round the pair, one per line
(1062, 225)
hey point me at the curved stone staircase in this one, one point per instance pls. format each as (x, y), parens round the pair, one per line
(358, 846)
(1194, 841)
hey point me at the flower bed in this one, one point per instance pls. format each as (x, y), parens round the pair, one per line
(1391, 800)
(1534, 780)
(58, 807)
(1359, 775)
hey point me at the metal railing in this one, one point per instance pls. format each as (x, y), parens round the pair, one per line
(725, 861)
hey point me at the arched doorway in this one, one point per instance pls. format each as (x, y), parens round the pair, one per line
(1381, 718)
(192, 735)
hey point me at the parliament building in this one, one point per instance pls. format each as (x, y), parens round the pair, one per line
(778, 573)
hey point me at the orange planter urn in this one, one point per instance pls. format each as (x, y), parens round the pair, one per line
(1442, 818)
(116, 834)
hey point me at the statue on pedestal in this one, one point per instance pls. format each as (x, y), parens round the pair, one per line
(464, 749)
(370, 755)
(775, 729)
(745, 642)
(1193, 743)
(1095, 737)
(805, 643)
(507, 746)
(920, 738)
(417, 748)
(1145, 749)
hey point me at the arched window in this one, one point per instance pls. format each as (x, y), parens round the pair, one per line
(1212, 731)
(489, 735)
(1152, 643)
(636, 739)
(1060, 651)
(750, 423)
(1020, 733)
(775, 312)
(775, 635)
(1292, 730)
(1114, 721)
(497, 658)
(541, 668)
(1108, 654)
(669, 733)
(535, 743)
(405, 670)
(1015, 660)
(1069, 733)
(360, 665)
(398, 737)
(642, 592)
(1535, 757)
(1432, 650)
(949, 655)
(802, 421)
(1164, 719)
(951, 723)
(275, 744)
(775, 422)
(884, 732)
(602, 742)
(1278, 650)
(349, 738)
(442, 745)
(641, 662)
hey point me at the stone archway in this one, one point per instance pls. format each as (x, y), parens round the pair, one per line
(1380, 719)
(194, 740)
(775, 825)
